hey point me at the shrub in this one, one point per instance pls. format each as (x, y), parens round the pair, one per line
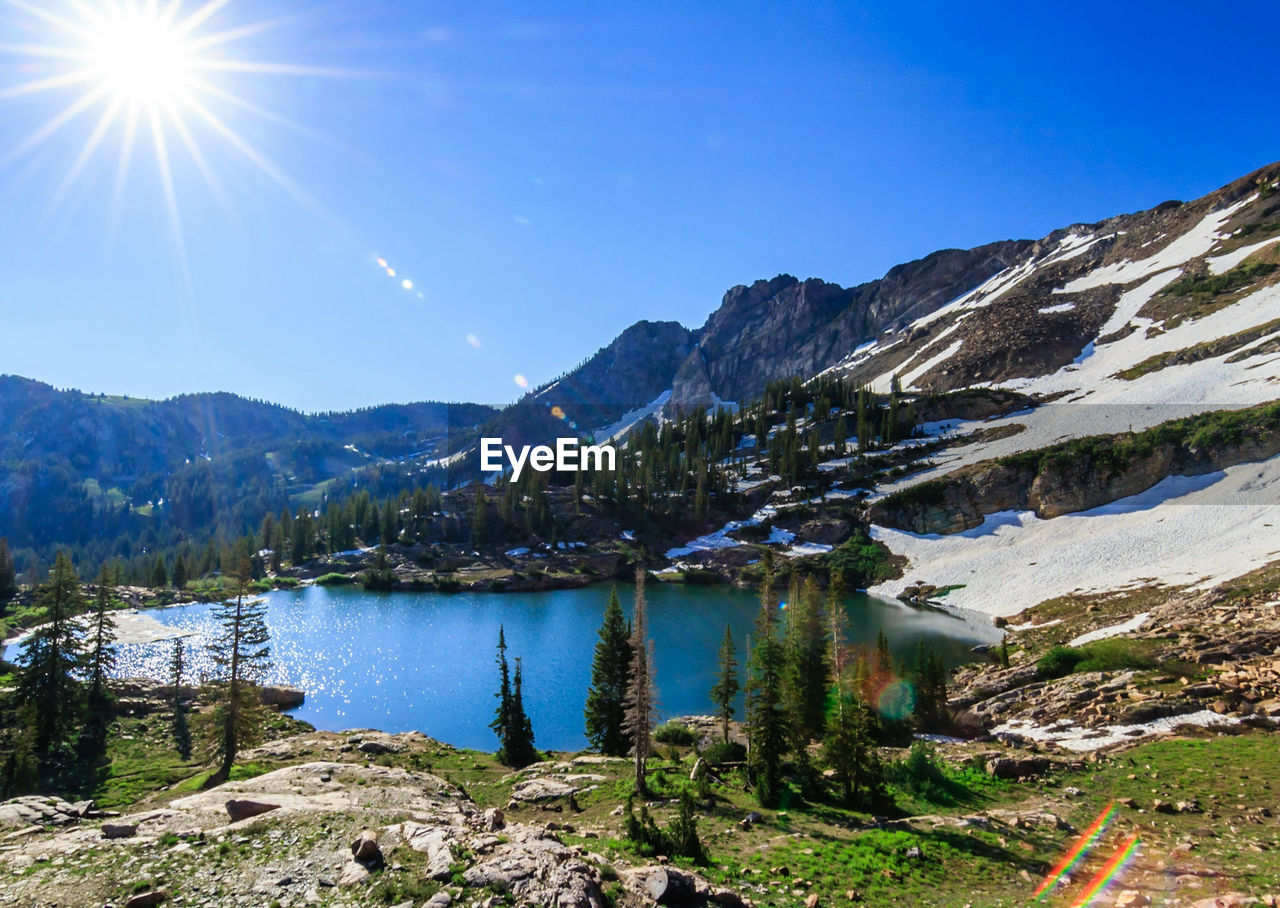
(1058, 662)
(673, 732)
(862, 560)
(1111, 655)
(333, 579)
(920, 772)
(725, 752)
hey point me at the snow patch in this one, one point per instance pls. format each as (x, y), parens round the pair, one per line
(1115, 630)
(1185, 530)
(1221, 264)
(1076, 738)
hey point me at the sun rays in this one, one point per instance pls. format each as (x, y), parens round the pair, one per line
(142, 74)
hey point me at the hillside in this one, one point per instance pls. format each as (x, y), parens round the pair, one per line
(76, 466)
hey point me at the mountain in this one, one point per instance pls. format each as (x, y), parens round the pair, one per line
(770, 330)
(933, 321)
(66, 455)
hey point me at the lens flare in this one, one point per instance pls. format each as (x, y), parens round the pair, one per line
(1115, 866)
(557, 412)
(473, 341)
(1077, 851)
(382, 263)
(897, 700)
(521, 380)
(407, 284)
(391, 272)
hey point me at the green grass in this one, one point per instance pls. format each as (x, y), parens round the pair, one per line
(1218, 284)
(1115, 654)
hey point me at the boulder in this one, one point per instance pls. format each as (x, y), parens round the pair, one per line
(353, 873)
(147, 899)
(668, 886)
(541, 788)
(282, 697)
(493, 819)
(119, 830)
(243, 808)
(365, 848)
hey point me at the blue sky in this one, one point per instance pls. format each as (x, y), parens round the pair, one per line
(547, 174)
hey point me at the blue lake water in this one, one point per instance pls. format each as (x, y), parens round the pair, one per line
(425, 661)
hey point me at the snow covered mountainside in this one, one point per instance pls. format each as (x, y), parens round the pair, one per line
(1114, 327)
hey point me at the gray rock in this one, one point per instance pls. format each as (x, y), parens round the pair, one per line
(119, 830)
(243, 808)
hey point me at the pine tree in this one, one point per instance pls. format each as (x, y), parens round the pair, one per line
(610, 676)
(727, 686)
(370, 528)
(102, 657)
(768, 724)
(389, 529)
(849, 744)
(931, 686)
(520, 749)
(52, 658)
(179, 573)
(510, 723)
(807, 670)
(479, 531)
(640, 697)
(159, 574)
(8, 578)
(177, 670)
(501, 723)
(882, 667)
(241, 656)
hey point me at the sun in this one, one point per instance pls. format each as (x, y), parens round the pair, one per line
(149, 69)
(139, 57)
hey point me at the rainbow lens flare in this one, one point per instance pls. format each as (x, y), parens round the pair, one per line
(1078, 850)
(1113, 868)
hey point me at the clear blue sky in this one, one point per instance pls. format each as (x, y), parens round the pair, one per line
(547, 174)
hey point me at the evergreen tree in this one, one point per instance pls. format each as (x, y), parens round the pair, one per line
(51, 659)
(390, 531)
(882, 667)
(8, 579)
(180, 573)
(640, 697)
(727, 686)
(177, 670)
(510, 723)
(370, 527)
(479, 532)
(501, 723)
(807, 674)
(102, 657)
(931, 686)
(1004, 651)
(241, 656)
(610, 677)
(768, 724)
(849, 744)
(159, 574)
(520, 749)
